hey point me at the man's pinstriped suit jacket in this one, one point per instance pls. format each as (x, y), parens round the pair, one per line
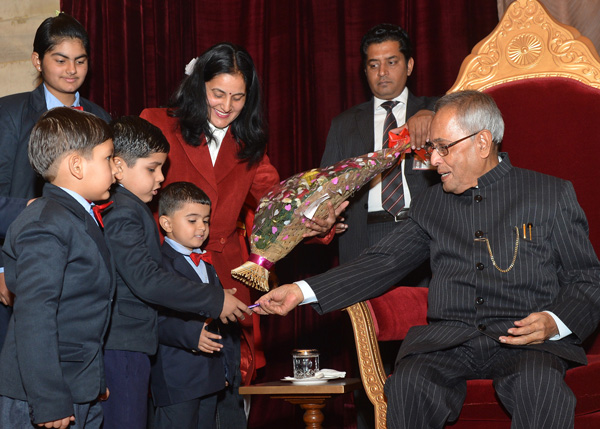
(556, 268)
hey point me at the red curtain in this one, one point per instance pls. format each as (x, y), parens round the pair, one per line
(307, 55)
(306, 52)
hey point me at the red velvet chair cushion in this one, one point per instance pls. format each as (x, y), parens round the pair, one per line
(585, 383)
(397, 310)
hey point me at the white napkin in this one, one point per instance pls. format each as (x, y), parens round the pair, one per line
(330, 373)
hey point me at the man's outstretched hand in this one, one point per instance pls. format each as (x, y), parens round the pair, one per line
(321, 227)
(280, 300)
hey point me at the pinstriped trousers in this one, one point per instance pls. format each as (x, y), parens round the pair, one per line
(427, 390)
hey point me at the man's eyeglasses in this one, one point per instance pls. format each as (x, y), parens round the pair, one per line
(442, 149)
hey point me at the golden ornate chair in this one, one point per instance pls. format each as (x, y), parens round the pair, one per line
(545, 77)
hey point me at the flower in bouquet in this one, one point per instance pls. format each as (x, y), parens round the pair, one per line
(279, 222)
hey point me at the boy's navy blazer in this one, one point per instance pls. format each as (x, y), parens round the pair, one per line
(142, 283)
(60, 269)
(18, 115)
(180, 372)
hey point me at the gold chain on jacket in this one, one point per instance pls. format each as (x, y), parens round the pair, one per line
(512, 264)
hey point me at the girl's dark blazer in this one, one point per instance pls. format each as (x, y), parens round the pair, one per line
(18, 115)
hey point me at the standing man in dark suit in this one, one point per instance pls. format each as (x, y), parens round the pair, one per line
(515, 287)
(387, 60)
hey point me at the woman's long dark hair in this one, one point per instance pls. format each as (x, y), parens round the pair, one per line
(190, 103)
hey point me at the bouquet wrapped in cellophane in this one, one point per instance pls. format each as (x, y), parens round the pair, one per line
(280, 217)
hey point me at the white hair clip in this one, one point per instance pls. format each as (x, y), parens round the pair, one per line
(190, 66)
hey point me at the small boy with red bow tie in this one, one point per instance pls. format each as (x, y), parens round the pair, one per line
(187, 374)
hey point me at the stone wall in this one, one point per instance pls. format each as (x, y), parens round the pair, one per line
(19, 19)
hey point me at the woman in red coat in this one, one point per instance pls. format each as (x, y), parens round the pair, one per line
(215, 128)
(214, 125)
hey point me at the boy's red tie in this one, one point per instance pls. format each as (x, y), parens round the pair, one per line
(197, 257)
(97, 208)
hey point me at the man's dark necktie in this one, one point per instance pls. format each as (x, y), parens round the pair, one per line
(392, 192)
(197, 257)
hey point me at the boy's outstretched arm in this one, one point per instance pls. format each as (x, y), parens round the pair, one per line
(233, 308)
(144, 275)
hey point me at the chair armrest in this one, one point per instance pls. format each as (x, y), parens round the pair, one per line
(372, 373)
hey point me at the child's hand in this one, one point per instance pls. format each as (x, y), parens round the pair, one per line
(233, 307)
(60, 423)
(6, 296)
(104, 396)
(206, 343)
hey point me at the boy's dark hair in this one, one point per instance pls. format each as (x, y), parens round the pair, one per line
(190, 103)
(175, 195)
(62, 130)
(54, 30)
(383, 33)
(136, 138)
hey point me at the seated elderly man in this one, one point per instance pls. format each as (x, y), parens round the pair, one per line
(515, 286)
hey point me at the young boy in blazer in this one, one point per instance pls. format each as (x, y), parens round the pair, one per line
(60, 270)
(191, 365)
(142, 284)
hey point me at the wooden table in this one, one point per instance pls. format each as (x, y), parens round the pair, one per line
(311, 398)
